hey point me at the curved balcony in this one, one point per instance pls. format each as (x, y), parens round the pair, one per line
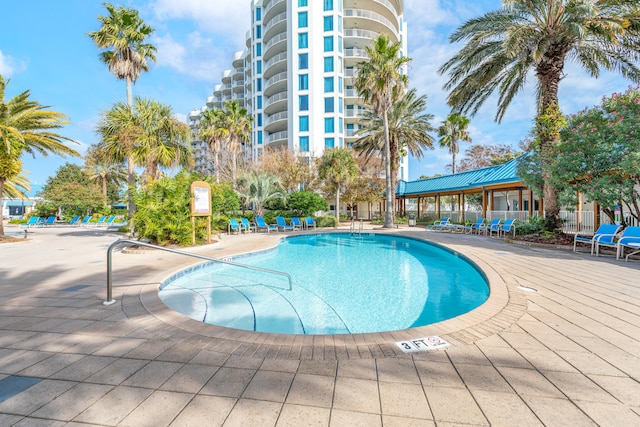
(226, 89)
(356, 37)
(277, 122)
(355, 52)
(275, 84)
(275, 103)
(238, 59)
(276, 25)
(277, 138)
(351, 93)
(210, 101)
(359, 18)
(238, 86)
(275, 65)
(226, 76)
(248, 39)
(390, 9)
(272, 8)
(276, 45)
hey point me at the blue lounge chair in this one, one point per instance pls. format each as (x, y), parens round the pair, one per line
(109, 221)
(246, 225)
(233, 226)
(494, 225)
(74, 220)
(612, 241)
(85, 221)
(31, 222)
(100, 221)
(606, 233)
(51, 220)
(508, 226)
(261, 225)
(282, 224)
(474, 227)
(309, 222)
(295, 223)
(442, 224)
(630, 239)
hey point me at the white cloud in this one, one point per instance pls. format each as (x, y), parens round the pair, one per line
(9, 65)
(228, 19)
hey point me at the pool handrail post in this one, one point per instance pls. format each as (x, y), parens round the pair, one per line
(110, 300)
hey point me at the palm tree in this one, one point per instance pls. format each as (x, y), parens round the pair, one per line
(257, 189)
(124, 32)
(27, 127)
(409, 128)
(209, 130)
(103, 170)
(337, 168)
(452, 130)
(236, 129)
(502, 46)
(380, 82)
(165, 141)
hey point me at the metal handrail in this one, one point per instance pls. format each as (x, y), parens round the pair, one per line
(110, 299)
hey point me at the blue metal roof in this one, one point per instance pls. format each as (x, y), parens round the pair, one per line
(478, 178)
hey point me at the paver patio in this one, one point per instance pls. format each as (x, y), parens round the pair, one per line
(564, 354)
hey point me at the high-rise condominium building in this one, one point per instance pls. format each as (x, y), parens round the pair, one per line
(296, 73)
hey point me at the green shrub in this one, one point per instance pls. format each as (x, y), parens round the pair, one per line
(534, 226)
(327, 221)
(305, 203)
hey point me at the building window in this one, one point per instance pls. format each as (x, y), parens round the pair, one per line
(328, 64)
(339, 25)
(329, 105)
(259, 84)
(258, 49)
(259, 31)
(329, 142)
(303, 20)
(340, 102)
(259, 137)
(328, 84)
(303, 40)
(303, 82)
(258, 14)
(340, 125)
(303, 102)
(329, 125)
(259, 101)
(258, 67)
(259, 119)
(302, 3)
(339, 44)
(304, 143)
(303, 123)
(340, 84)
(328, 5)
(303, 61)
(328, 23)
(328, 44)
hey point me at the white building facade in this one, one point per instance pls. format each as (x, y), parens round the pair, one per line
(296, 73)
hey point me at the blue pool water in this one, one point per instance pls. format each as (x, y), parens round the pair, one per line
(341, 284)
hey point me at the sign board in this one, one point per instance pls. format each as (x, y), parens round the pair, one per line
(200, 199)
(422, 344)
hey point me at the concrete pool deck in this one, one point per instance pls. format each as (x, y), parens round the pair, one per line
(566, 354)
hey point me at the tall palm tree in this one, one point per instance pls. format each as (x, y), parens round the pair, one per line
(210, 131)
(337, 168)
(236, 129)
(103, 170)
(452, 130)
(165, 141)
(380, 82)
(409, 131)
(27, 127)
(123, 34)
(258, 188)
(502, 46)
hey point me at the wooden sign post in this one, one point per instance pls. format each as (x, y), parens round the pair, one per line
(200, 206)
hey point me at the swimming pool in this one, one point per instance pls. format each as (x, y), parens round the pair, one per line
(342, 283)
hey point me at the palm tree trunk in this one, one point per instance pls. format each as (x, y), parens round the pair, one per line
(217, 166)
(338, 204)
(454, 151)
(549, 73)
(388, 215)
(129, 93)
(131, 186)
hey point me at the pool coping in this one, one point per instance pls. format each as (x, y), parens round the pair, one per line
(506, 305)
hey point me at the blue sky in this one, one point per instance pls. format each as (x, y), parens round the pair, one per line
(50, 54)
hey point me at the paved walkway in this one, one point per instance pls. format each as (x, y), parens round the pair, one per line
(566, 354)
